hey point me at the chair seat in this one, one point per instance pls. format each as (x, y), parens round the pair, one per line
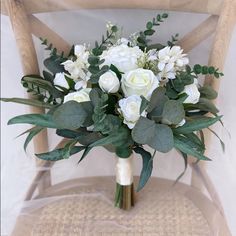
(85, 207)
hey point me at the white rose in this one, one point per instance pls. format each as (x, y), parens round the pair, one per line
(109, 82)
(60, 81)
(130, 109)
(139, 82)
(79, 96)
(193, 94)
(123, 57)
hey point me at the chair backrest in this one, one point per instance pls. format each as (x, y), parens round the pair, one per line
(220, 22)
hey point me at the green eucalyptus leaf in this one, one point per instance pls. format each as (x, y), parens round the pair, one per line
(144, 104)
(117, 138)
(208, 92)
(195, 125)
(70, 115)
(173, 112)
(158, 99)
(53, 65)
(157, 136)
(147, 166)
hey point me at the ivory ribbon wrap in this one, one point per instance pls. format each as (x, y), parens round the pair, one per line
(124, 171)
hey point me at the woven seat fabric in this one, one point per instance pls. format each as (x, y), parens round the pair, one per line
(88, 209)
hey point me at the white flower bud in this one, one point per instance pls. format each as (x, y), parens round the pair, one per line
(109, 82)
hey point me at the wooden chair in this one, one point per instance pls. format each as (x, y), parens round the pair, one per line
(162, 209)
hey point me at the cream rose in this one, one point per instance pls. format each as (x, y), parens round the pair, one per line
(130, 110)
(122, 56)
(193, 94)
(79, 96)
(109, 82)
(139, 82)
(60, 81)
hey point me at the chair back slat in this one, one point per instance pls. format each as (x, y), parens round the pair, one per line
(197, 6)
(27, 52)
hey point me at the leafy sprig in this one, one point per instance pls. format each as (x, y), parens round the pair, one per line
(150, 30)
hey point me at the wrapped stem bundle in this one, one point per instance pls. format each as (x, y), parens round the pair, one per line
(124, 197)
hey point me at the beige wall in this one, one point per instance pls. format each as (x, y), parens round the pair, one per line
(86, 26)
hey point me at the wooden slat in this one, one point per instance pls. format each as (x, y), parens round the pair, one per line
(42, 174)
(197, 6)
(200, 33)
(217, 57)
(39, 29)
(21, 28)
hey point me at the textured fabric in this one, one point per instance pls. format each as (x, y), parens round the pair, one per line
(88, 210)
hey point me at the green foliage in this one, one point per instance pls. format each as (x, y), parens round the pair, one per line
(157, 136)
(185, 145)
(61, 153)
(115, 69)
(147, 166)
(85, 153)
(26, 101)
(208, 92)
(117, 138)
(43, 89)
(144, 104)
(198, 69)
(173, 112)
(203, 105)
(185, 157)
(149, 31)
(123, 151)
(73, 115)
(173, 41)
(53, 63)
(197, 124)
(157, 100)
(83, 136)
(32, 133)
(43, 120)
(108, 40)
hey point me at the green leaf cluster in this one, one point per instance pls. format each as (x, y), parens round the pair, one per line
(149, 31)
(207, 70)
(42, 88)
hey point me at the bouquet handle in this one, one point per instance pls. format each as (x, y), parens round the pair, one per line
(124, 197)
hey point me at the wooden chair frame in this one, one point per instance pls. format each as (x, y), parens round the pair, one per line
(220, 22)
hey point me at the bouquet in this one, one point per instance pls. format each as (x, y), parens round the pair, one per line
(122, 94)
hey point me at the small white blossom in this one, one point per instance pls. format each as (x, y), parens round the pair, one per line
(77, 69)
(60, 81)
(171, 60)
